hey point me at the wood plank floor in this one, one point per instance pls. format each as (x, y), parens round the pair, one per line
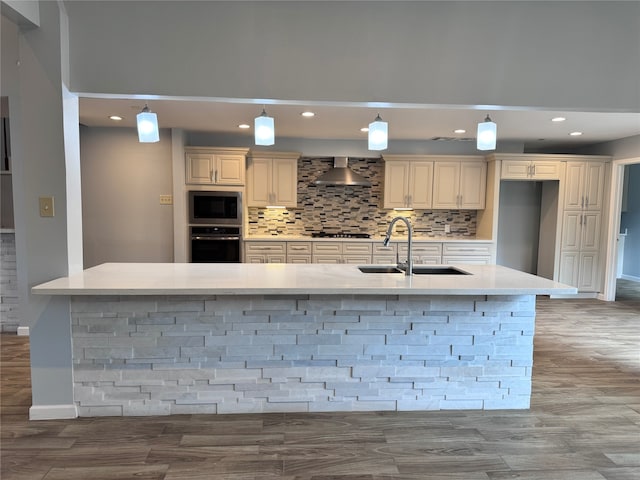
(584, 424)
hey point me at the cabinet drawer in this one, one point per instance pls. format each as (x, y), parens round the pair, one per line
(379, 249)
(265, 247)
(327, 248)
(298, 248)
(357, 259)
(471, 259)
(467, 249)
(349, 248)
(295, 258)
(384, 259)
(421, 248)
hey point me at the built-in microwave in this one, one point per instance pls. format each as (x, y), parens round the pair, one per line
(215, 208)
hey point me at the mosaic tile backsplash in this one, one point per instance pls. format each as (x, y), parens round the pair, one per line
(352, 209)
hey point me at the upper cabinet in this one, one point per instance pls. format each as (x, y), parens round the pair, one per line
(460, 184)
(272, 179)
(215, 166)
(584, 185)
(407, 182)
(533, 169)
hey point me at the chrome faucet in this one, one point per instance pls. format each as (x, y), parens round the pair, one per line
(409, 265)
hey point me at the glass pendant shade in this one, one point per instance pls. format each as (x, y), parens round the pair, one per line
(147, 126)
(487, 134)
(264, 130)
(378, 134)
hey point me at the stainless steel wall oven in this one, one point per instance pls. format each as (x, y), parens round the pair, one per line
(215, 244)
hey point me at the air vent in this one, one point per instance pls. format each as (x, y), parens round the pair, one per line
(452, 139)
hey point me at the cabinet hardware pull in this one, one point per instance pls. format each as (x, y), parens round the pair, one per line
(534, 169)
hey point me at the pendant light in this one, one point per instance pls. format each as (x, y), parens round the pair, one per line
(378, 134)
(487, 133)
(264, 129)
(147, 126)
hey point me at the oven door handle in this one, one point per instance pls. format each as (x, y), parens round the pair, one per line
(199, 237)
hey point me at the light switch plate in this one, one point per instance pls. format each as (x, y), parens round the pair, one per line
(447, 228)
(46, 206)
(166, 199)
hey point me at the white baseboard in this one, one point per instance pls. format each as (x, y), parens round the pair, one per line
(630, 278)
(52, 412)
(576, 296)
(23, 331)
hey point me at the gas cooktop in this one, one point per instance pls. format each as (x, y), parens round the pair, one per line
(339, 235)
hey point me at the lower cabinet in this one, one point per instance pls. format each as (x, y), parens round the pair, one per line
(468, 252)
(384, 255)
(367, 252)
(342, 252)
(265, 252)
(422, 253)
(299, 252)
(580, 269)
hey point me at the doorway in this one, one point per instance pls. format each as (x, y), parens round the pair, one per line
(628, 285)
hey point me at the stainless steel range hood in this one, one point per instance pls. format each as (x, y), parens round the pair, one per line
(341, 174)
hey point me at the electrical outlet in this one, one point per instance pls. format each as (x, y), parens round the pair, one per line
(447, 228)
(46, 206)
(166, 199)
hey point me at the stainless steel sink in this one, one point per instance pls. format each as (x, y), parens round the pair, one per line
(379, 269)
(428, 270)
(417, 270)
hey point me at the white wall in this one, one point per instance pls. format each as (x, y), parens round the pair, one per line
(37, 138)
(122, 181)
(570, 55)
(519, 225)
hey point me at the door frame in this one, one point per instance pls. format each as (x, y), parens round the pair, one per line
(613, 224)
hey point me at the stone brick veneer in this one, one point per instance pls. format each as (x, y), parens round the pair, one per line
(9, 320)
(143, 355)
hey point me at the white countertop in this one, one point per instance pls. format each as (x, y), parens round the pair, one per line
(284, 278)
(394, 239)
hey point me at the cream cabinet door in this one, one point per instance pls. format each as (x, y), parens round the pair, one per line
(214, 166)
(285, 182)
(272, 181)
(446, 185)
(530, 170)
(584, 185)
(473, 182)
(593, 185)
(569, 268)
(421, 185)
(200, 168)
(459, 185)
(396, 180)
(229, 170)
(545, 170)
(581, 230)
(408, 184)
(258, 182)
(589, 273)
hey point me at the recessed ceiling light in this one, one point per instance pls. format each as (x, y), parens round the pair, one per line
(244, 126)
(575, 134)
(459, 130)
(115, 118)
(364, 129)
(558, 119)
(308, 114)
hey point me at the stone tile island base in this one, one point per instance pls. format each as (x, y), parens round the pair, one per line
(160, 355)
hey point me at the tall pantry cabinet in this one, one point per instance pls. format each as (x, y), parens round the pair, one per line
(580, 258)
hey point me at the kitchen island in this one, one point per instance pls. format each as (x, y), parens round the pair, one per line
(158, 339)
